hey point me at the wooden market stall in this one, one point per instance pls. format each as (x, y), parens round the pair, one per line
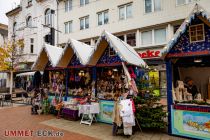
(47, 61)
(187, 58)
(110, 52)
(75, 57)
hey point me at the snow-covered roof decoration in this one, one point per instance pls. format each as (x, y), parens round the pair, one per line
(47, 53)
(122, 49)
(80, 49)
(197, 10)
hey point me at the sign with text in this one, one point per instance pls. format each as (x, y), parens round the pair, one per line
(150, 54)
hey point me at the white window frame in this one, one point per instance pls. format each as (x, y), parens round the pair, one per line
(153, 7)
(68, 5)
(153, 37)
(125, 10)
(196, 33)
(103, 17)
(85, 2)
(69, 29)
(84, 22)
(49, 18)
(186, 2)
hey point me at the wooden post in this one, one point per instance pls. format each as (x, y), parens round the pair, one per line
(169, 93)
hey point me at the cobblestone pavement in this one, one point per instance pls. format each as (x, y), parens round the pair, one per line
(19, 118)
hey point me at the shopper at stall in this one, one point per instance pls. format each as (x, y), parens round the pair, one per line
(191, 88)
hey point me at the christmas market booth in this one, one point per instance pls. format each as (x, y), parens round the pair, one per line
(47, 61)
(114, 62)
(187, 58)
(74, 59)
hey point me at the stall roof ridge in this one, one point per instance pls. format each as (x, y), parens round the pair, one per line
(82, 50)
(53, 53)
(197, 10)
(124, 50)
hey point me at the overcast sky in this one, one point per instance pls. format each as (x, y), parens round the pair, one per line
(5, 6)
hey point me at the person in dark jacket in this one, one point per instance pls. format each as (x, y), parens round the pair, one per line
(191, 88)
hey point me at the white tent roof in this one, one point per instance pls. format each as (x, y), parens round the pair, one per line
(47, 53)
(197, 10)
(82, 51)
(125, 51)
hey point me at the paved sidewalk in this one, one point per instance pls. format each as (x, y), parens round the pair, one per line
(104, 131)
(20, 118)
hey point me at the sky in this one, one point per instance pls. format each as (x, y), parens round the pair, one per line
(5, 6)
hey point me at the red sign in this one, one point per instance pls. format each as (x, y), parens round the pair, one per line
(149, 54)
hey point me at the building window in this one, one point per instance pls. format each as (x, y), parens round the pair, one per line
(32, 45)
(146, 38)
(49, 16)
(68, 27)
(176, 27)
(153, 37)
(182, 2)
(125, 11)
(87, 42)
(68, 5)
(103, 18)
(84, 23)
(121, 37)
(29, 21)
(197, 33)
(83, 2)
(29, 3)
(160, 36)
(152, 6)
(14, 26)
(131, 39)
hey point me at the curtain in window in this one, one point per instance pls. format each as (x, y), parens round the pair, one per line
(146, 38)
(148, 6)
(157, 5)
(160, 36)
(129, 11)
(122, 13)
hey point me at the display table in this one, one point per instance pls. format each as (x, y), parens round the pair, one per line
(191, 120)
(88, 112)
(70, 114)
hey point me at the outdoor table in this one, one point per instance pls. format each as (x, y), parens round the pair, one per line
(88, 110)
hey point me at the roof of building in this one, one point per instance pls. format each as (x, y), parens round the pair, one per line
(82, 51)
(14, 11)
(47, 53)
(124, 51)
(197, 10)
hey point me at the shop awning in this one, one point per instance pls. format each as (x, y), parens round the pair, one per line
(197, 11)
(122, 49)
(80, 49)
(47, 54)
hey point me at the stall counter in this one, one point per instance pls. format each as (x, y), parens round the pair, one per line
(191, 121)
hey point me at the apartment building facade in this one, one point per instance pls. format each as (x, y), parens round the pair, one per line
(147, 25)
(31, 22)
(141, 23)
